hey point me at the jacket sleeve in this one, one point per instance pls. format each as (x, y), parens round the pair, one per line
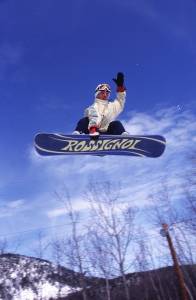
(119, 103)
(94, 118)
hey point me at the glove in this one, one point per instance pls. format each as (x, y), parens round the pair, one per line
(119, 80)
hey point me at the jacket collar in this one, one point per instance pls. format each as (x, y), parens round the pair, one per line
(104, 102)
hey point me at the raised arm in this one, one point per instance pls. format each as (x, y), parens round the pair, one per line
(119, 102)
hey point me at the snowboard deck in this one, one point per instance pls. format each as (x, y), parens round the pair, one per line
(48, 144)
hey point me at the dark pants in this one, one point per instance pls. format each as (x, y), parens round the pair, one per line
(115, 127)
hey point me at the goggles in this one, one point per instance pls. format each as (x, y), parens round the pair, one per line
(103, 87)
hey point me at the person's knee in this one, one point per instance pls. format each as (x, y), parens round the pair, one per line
(84, 120)
(116, 122)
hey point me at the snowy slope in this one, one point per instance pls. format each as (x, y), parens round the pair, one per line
(27, 278)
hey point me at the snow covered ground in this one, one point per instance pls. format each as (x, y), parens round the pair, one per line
(27, 278)
(45, 291)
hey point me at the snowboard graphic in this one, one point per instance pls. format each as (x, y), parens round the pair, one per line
(132, 145)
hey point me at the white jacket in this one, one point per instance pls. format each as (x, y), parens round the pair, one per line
(102, 112)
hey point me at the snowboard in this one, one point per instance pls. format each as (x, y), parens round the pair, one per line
(128, 145)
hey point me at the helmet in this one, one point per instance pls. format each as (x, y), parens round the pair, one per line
(103, 87)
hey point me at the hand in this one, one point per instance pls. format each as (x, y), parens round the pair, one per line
(119, 80)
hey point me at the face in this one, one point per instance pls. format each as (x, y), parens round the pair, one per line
(103, 95)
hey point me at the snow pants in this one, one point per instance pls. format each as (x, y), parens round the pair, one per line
(115, 127)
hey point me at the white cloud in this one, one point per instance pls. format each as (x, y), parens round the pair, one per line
(78, 206)
(16, 204)
(11, 208)
(56, 212)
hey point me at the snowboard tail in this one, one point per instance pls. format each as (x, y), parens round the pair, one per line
(129, 145)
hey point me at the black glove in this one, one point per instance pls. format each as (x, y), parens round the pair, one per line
(119, 80)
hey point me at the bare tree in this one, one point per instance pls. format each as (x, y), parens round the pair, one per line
(42, 245)
(144, 262)
(10, 245)
(189, 189)
(57, 247)
(158, 287)
(101, 261)
(3, 245)
(113, 220)
(190, 199)
(163, 210)
(185, 256)
(141, 264)
(74, 244)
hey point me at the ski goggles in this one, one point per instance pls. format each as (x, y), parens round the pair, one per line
(103, 87)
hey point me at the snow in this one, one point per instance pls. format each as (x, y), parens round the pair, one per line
(46, 291)
(26, 294)
(25, 278)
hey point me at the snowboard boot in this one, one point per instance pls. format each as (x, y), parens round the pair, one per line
(125, 133)
(76, 132)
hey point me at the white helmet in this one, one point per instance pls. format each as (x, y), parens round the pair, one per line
(103, 87)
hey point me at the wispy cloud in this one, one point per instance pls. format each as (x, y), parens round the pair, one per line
(79, 205)
(12, 208)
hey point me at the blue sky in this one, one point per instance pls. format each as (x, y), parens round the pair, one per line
(52, 56)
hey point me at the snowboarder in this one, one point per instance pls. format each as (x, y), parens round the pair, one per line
(99, 122)
(100, 116)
